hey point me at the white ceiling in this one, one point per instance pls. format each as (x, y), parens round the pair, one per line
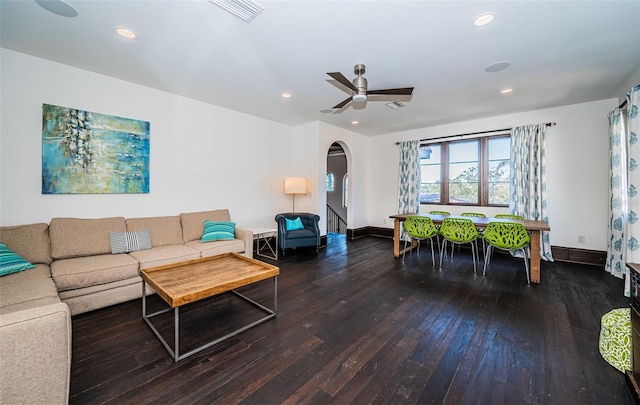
(561, 52)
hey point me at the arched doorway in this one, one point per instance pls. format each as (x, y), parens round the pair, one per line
(337, 187)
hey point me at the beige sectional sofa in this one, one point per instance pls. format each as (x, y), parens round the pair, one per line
(75, 273)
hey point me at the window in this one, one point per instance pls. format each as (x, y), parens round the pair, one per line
(464, 172)
(345, 189)
(431, 174)
(330, 182)
(499, 170)
(468, 172)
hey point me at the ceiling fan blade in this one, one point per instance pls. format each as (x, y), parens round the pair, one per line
(405, 91)
(343, 103)
(343, 80)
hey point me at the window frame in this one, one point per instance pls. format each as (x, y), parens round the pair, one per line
(345, 190)
(483, 170)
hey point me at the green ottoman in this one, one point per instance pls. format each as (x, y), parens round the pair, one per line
(615, 338)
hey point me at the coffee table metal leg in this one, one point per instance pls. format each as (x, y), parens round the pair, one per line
(176, 316)
(175, 352)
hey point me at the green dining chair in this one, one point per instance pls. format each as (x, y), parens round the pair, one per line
(508, 216)
(503, 216)
(443, 213)
(510, 236)
(459, 231)
(473, 214)
(420, 228)
(477, 215)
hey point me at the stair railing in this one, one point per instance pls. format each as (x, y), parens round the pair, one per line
(335, 223)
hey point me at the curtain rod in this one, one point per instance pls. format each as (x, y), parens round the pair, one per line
(549, 124)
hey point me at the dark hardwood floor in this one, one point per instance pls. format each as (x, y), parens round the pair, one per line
(356, 326)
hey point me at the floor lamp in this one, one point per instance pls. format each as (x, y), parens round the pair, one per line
(293, 186)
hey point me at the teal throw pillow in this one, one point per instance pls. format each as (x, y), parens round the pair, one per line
(11, 262)
(220, 230)
(294, 224)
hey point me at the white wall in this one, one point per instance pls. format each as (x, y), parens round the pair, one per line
(302, 160)
(577, 169)
(202, 157)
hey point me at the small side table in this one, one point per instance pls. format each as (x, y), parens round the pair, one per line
(263, 238)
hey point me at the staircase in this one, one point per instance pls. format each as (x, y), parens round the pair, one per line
(335, 223)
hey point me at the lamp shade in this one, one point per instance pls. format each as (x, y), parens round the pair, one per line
(295, 185)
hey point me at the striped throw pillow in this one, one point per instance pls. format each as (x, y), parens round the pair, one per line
(218, 230)
(11, 262)
(125, 242)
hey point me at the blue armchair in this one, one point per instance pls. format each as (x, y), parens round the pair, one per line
(309, 235)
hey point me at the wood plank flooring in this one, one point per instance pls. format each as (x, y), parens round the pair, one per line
(356, 326)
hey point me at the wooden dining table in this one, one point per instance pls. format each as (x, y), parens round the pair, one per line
(534, 228)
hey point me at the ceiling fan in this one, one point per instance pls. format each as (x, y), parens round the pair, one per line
(359, 87)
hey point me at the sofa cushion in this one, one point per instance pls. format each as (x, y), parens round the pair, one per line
(161, 255)
(28, 294)
(125, 242)
(41, 271)
(29, 241)
(82, 272)
(163, 230)
(73, 237)
(11, 262)
(218, 247)
(218, 230)
(301, 233)
(193, 222)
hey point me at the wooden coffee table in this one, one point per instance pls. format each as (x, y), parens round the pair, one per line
(186, 282)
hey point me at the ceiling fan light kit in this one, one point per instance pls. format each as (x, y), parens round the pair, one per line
(359, 92)
(359, 98)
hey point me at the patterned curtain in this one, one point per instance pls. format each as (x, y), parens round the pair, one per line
(624, 182)
(529, 178)
(409, 181)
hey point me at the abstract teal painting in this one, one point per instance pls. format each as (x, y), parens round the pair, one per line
(85, 152)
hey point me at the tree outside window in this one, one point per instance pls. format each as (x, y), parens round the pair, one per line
(499, 156)
(464, 172)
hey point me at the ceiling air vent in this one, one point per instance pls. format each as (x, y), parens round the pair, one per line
(243, 9)
(394, 105)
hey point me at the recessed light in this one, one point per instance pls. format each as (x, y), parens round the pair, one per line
(484, 19)
(125, 32)
(59, 7)
(355, 122)
(286, 95)
(506, 91)
(497, 67)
